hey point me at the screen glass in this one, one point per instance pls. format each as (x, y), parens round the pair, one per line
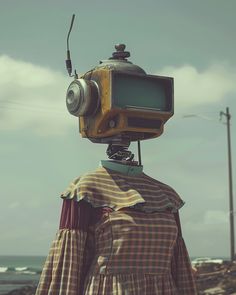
(142, 92)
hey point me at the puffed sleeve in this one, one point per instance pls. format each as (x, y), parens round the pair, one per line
(66, 265)
(181, 266)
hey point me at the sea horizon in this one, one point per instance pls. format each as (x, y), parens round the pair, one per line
(17, 271)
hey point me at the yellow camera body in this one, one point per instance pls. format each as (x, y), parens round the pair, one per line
(118, 102)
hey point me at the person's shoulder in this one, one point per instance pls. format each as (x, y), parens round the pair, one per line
(70, 191)
(166, 191)
(162, 185)
(96, 174)
(73, 186)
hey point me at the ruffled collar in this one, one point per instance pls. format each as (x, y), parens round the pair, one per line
(105, 188)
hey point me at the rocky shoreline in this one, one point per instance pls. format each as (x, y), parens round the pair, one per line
(26, 290)
(218, 279)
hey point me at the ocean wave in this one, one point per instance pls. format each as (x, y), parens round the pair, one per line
(20, 270)
(3, 269)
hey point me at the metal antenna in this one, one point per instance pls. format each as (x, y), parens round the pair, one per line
(139, 154)
(68, 61)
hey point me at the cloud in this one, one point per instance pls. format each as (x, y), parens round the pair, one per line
(14, 205)
(216, 219)
(208, 234)
(199, 88)
(32, 97)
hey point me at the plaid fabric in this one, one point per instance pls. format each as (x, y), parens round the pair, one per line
(105, 187)
(131, 284)
(140, 242)
(183, 276)
(63, 268)
(115, 249)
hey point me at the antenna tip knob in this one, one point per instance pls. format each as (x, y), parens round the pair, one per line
(120, 53)
(120, 47)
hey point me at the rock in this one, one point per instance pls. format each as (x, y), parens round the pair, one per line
(216, 278)
(26, 290)
(214, 291)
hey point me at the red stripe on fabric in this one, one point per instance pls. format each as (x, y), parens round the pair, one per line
(79, 215)
(75, 215)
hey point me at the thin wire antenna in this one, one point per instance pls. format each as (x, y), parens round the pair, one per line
(139, 153)
(68, 36)
(68, 61)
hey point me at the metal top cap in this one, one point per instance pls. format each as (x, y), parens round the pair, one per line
(119, 62)
(120, 52)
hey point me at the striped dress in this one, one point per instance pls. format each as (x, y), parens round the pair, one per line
(120, 235)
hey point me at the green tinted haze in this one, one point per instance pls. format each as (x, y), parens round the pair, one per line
(41, 150)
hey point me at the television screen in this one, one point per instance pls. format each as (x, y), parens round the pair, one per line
(142, 92)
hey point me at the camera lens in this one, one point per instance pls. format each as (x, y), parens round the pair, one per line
(70, 97)
(82, 98)
(73, 98)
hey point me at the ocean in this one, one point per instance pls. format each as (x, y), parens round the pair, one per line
(19, 271)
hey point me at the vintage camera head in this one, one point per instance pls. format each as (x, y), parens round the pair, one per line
(117, 102)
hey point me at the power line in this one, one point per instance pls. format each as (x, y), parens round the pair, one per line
(31, 109)
(10, 102)
(193, 115)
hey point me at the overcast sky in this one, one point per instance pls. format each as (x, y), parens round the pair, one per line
(41, 150)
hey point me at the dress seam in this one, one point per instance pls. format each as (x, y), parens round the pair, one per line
(111, 249)
(99, 285)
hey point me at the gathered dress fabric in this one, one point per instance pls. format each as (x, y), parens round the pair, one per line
(118, 234)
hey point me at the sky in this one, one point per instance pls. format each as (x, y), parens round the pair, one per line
(41, 150)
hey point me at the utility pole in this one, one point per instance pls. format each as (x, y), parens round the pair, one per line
(231, 207)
